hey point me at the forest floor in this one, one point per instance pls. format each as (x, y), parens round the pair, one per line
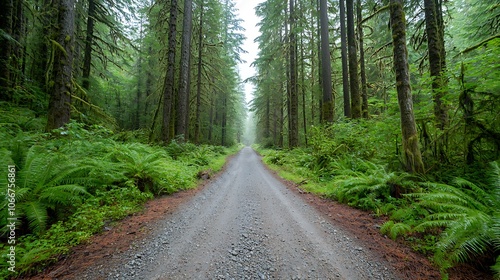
(247, 223)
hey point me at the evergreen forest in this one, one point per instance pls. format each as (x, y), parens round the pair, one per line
(389, 106)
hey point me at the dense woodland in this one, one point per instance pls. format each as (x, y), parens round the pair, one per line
(389, 106)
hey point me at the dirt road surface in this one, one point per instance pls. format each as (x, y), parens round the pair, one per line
(246, 225)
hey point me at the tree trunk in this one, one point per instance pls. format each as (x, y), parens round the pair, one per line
(364, 93)
(435, 44)
(18, 50)
(312, 40)
(320, 61)
(224, 121)
(198, 81)
(89, 41)
(345, 72)
(267, 128)
(41, 49)
(328, 104)
(183, 93)
(211, 119)
(294, 97)
(281, 139)
(411, 151)
(168, 88)
(303, 89)
(353, 63)
(138, 93)
(59, 111)
(6, 10)
(149, 82)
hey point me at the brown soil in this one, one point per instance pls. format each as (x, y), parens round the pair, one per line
(363, 225)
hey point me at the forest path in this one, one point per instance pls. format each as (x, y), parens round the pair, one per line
(246, 225)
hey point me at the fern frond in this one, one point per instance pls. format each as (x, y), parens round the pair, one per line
(63, 194)
(36, 213)
(496, 269)
(393, 230)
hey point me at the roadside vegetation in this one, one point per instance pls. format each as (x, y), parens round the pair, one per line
(78, 180)
(450, 214)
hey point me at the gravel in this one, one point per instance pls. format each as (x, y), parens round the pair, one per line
(245, 225)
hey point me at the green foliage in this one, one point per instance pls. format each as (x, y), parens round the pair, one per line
(367, 185)
(393, 230)
(34, 252)
(458, 222)
(150, 169)
(469, 215)
(47, 181)
(74, 182)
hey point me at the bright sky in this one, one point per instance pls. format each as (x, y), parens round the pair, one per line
(246, 11)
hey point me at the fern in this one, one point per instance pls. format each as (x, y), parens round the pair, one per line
(151, 170)
(393, 230)
(469, 215)
(366, 185)
(46, 182)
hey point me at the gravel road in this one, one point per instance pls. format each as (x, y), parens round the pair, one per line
(246, 225)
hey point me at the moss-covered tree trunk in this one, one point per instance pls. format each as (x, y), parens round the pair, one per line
(345, 71)
(411, 151)
(353, 63)
(362, 72)
(294, 97)
(62, 73)
(6, 9)
(328, 104)
(89, 41)
(41, 46)
(183, 93)
(197, 121)
(437, 61)
(168, 87)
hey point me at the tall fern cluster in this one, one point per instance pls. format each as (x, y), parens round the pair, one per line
(72, 182)
(469, 215)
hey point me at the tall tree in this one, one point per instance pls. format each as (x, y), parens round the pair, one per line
(89, 42)
(345, 71)
(183, 93)
(41, 44)
(328, 106)
(6, 10)
(18, 52)
(411, 151)
(294, 97)
(59, 110)
(168, 87)
(434, 27)
(364, 93)
(199, 76)
(353, 63)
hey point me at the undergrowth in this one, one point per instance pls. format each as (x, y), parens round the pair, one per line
(453, 220)
(75, 181)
